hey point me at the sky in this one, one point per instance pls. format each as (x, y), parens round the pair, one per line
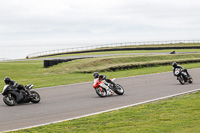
(34, 22)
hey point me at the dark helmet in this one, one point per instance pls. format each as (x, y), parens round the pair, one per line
(174, 64)
(95, 74)
(7, 80)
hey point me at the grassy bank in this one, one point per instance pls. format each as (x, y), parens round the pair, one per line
(106, 63)
(178, 115)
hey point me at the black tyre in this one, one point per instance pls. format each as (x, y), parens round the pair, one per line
(100, 93)
(190, 80)
(10, 101)
(119, 90)
(35, 98)
(181, 79)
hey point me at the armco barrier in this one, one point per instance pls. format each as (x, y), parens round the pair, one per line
(105, 46)
(125, 49)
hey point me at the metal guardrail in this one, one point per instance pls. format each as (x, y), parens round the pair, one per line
(4, 59)
(7, 60)
(59, 51)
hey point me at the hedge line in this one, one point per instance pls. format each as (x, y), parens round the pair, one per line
(126, 67)
(49, 63)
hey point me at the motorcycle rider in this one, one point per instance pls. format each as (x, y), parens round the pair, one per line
(14, 85)
(175, 65)
(97, 76)
(10, 82)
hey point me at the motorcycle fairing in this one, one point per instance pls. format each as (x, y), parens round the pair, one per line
(18, 95)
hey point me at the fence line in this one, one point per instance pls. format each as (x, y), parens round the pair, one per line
(6, 60)
(3, 59)
(59, 51)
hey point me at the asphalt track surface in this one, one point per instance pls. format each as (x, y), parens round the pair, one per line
(68, 101)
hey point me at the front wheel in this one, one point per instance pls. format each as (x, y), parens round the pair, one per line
(35, 98)
(119, 90)
(9, 100)
(181, 79)
(101, 92)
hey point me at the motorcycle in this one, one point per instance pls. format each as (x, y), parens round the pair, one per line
(17, 96)
(104, 88)
(182, 76)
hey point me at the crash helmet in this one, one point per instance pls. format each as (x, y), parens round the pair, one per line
(174, 64)
(95, 75)
(7, 80)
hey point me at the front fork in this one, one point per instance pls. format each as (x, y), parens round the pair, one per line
(112, 87)
(9, 96)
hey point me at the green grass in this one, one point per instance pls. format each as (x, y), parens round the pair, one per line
(175, 115)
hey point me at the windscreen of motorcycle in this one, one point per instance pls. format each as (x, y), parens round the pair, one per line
(4, 88)
(95, 81)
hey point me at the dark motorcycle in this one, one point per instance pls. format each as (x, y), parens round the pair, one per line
(17, 96)
(182, 76)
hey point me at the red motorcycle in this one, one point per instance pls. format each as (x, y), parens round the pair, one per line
(104, 88)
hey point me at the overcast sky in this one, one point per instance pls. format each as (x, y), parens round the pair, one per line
(47, 21)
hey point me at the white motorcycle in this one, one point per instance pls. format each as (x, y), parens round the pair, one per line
(104, 88)
(182, 76)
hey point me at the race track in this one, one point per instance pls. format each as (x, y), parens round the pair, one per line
(68, 101)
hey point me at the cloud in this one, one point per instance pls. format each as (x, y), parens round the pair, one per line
(65, 19)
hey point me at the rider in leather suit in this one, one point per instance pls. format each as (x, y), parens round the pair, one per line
(102, 77)
(10, 82)
(15, 85)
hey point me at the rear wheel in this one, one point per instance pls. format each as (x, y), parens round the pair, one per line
(9, 100)
(181, 79)
(35, 98)
(101, 92)
(119, 89)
